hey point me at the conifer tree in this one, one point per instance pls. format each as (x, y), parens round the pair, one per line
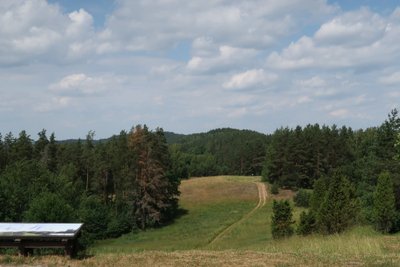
(282, 219)
(156, 191)
(384, 204)
(307, 224)
(338, 209)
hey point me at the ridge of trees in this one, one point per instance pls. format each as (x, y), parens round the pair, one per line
(113, 186)
(354, 175)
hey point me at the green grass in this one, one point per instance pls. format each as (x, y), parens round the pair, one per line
(212, 204)
(215, 203)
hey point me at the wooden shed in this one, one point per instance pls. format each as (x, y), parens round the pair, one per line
(27, 236)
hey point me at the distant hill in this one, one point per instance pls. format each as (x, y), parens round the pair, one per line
(219, 151)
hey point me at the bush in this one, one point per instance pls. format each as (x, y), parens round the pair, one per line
(302, 198)
(274, 189)
(307, 224)
(384, 211)
(281, 219)
(49, 207)
(94, 214)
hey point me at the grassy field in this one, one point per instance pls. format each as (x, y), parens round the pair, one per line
(213, 204)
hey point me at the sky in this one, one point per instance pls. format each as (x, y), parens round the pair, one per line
(72, 66)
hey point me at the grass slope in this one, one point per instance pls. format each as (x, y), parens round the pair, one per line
(215, 203)
(212, 204)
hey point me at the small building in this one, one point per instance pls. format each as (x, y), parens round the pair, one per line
(27, 236)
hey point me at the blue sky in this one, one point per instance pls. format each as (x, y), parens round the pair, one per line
(72, 66)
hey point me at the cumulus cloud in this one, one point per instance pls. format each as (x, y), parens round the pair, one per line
(226, 58)
(36, 30)
(81, 84)
(55, 103)
(358, 39)
(392, 79)
(155, 25)
(250, 78)
(339, 112)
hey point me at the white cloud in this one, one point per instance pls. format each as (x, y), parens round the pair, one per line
(358, 39)
(226, 58)
(250, 78)
(339, 112)
(157, 25)
(392, 79)
(314, 82)
(34, 30)
(55, 103)
(359, 28)
(81, 84)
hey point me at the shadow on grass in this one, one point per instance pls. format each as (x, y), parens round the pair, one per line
(178, 214)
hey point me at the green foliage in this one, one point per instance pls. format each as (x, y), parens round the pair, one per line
(302, 198)
(49, 207)
(282, 219)
(274, 189)
(295, 158)
(220, 151)
(94, 214)
(156, 190)
(338, 210)
(307, 224)
(384, 204)
(318, 195)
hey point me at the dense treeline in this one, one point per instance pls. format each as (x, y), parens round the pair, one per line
(113, 186)
(297, 157)
(355, 175)
(220, 151)
(131, 180)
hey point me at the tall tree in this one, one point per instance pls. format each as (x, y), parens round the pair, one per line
(155, 192)
(384, 204)
(339, 208)
(40, 145)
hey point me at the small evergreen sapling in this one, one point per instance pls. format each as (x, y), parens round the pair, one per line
(282, 219)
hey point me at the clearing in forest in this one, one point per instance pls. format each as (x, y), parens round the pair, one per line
(227, 223)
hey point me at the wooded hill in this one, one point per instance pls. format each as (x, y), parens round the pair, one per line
(220, 151)
(131, 180)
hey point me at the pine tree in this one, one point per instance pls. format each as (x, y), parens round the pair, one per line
(338, 209)
(282, 219)
(156, 191)
(307, 224)
(384, 204)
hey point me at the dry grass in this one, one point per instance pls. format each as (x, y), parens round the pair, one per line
(214, 203)
(204, 190)
(284, 194)
(179, 258)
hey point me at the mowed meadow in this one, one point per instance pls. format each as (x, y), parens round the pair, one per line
(224, 222)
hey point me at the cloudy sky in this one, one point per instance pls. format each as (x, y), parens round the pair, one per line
(71, 66)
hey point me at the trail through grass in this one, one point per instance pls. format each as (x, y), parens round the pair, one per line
(214, 204)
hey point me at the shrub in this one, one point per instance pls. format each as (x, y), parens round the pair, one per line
(49, 207)
(302, 198)
(281, 219)
(94, 214)
(274, 189)
(307, 224)
(384, 212)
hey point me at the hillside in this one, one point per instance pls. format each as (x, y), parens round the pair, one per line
(218, 152)
(226, 207)
(214, 204)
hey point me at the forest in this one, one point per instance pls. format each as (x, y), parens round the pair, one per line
(130, 181)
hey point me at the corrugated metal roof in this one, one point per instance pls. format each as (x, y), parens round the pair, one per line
(39, 229)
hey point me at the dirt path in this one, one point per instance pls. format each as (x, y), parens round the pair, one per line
(262, 199)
